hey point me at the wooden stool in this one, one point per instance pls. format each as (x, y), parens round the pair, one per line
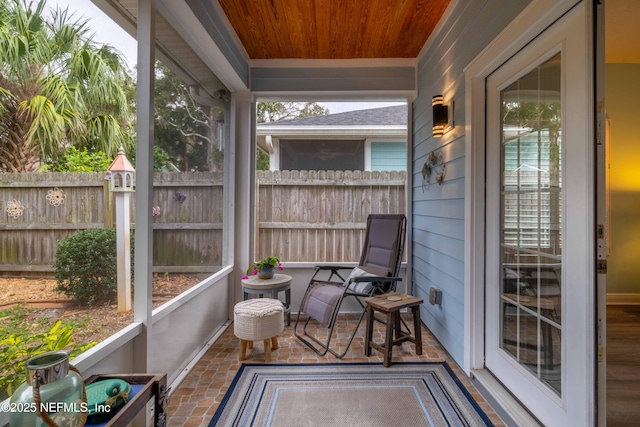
(391, 304)
(258, 319)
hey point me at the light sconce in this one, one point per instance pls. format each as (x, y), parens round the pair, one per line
(441, 113)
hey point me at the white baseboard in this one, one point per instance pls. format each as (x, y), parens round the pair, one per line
(623, 299)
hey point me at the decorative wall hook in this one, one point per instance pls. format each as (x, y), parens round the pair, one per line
(433, 169)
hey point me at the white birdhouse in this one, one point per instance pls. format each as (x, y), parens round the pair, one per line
(120, 173)
(120, 176)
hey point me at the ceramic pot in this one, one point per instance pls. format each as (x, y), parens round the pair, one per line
(266, 272)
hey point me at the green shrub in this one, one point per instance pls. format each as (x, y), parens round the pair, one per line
(75, 160)
(21, 344)
(86, 266)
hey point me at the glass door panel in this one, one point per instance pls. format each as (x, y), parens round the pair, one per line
(540, 230)
(531, 221)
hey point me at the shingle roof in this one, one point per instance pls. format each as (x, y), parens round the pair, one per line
(396, 115)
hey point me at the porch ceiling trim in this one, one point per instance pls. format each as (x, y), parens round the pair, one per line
(182, 44)
(394, 80)
(206, 25)
(332, 131)
(200, 45)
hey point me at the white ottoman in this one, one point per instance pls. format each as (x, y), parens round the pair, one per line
(258, 319)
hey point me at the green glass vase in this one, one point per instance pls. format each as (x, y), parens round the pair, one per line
(53, 395)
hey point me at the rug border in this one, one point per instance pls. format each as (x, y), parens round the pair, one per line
(452, 374)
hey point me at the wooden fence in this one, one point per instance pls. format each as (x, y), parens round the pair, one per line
(320, 216)
(187, 233)
(312, 216)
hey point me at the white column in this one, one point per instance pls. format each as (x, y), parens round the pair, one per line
(367, 154)
(123, 240)
(274, 157)
(245, 177)
(144, 182)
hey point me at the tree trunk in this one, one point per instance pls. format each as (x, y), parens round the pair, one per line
(17, 155)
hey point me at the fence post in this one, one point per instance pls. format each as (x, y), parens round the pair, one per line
(108, 204)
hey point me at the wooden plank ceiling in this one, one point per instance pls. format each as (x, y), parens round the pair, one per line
(333, 29)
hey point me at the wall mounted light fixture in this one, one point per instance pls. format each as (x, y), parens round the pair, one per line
(441, 116)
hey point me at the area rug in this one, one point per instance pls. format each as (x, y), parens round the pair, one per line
(348, 394)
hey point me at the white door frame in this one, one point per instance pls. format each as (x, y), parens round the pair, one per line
(603, 215)
(534, 19)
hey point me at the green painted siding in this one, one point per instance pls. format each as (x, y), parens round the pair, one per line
(388, 156)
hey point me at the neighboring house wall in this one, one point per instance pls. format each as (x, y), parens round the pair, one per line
(438, 211)
(388, 156)
(373, 139)
(622, 108)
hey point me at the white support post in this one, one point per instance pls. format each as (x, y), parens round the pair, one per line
(244, 138)
(144, 183)
(123, 241)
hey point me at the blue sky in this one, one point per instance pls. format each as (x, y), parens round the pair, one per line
(107, 31)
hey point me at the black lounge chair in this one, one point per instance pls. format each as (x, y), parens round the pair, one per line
(376, 274)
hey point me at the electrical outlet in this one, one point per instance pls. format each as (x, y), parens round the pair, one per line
(435, 296)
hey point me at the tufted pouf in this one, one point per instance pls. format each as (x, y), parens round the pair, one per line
(258, 319)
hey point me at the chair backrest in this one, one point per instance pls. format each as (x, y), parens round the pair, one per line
(384, 244)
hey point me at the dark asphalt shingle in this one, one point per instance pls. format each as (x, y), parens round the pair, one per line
(395, 115)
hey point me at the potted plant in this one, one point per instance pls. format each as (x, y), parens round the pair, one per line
(265, 268)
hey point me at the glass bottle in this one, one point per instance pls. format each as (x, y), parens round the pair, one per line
(60, 393)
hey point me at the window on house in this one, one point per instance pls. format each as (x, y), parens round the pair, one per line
(338, 154)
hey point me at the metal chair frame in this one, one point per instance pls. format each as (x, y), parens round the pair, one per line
(381, 285)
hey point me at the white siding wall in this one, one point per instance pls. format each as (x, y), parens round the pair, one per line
(438, 211)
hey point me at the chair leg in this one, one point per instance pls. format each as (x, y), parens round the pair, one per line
(417, 329)
(388, 341)
(243, 350)
(369, 333)
(324, 347)
(353, 335)
(274, 343)
(267, 350)
(250, 345)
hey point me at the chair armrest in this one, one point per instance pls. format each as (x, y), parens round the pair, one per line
(332, 267)
(376, 279)
(377, 283)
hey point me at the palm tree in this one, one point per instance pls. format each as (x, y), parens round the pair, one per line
(58, 88)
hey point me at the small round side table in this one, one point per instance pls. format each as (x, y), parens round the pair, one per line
(278, 283)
